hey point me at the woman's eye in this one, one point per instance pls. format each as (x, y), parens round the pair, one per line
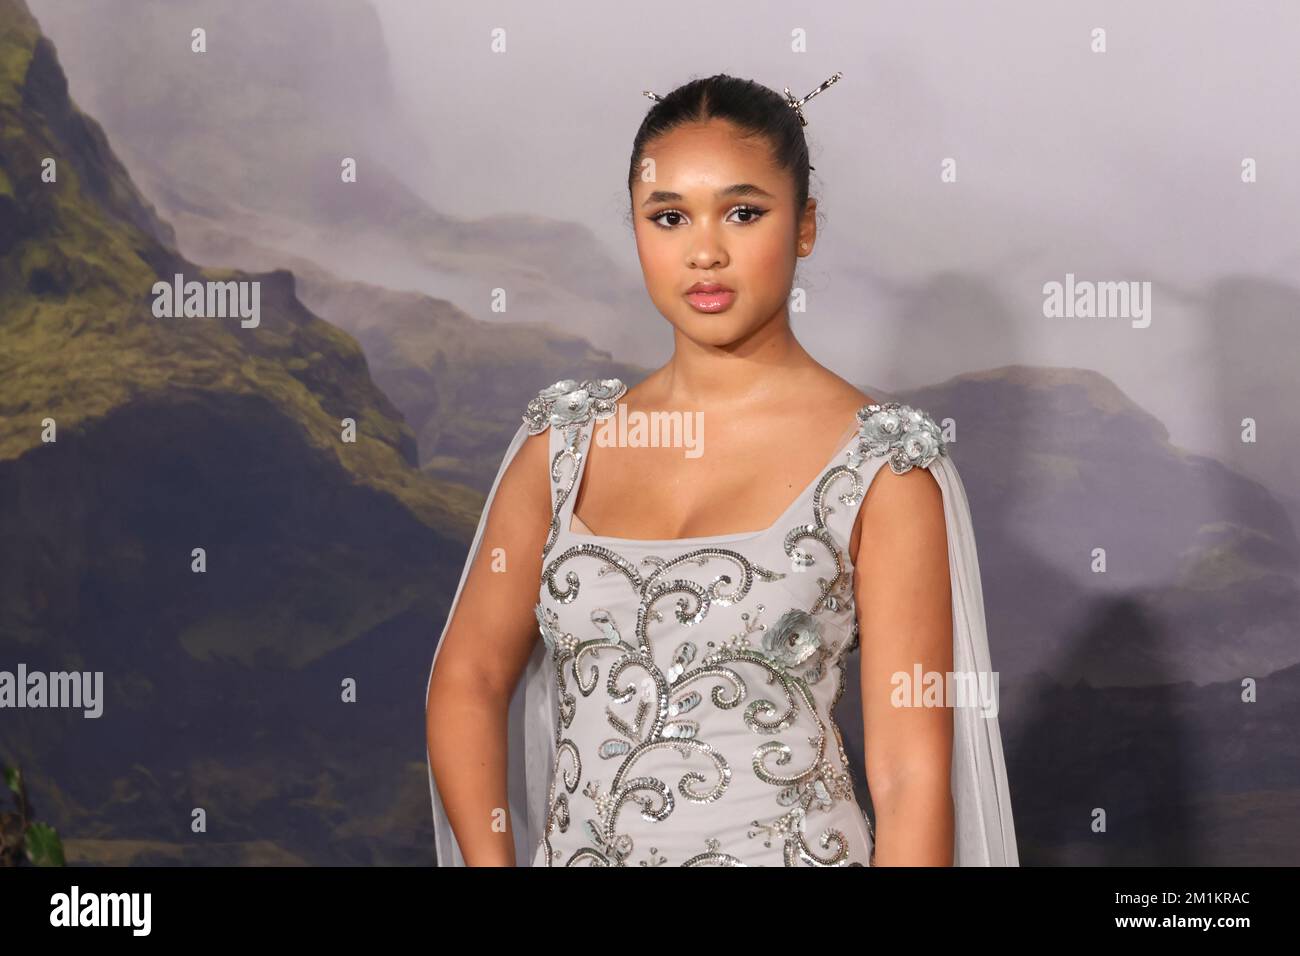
(753, 214)
(753, 211)
(667, 212)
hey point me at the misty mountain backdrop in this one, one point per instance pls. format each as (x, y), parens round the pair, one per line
(329, 560)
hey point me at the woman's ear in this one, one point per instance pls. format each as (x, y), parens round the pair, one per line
(806, 237)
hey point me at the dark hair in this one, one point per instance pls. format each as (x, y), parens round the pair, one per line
(756, 109)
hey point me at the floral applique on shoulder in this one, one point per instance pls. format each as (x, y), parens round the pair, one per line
(907, 435)
(569, 404)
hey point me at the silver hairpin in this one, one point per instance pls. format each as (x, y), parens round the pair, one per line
(797, 105)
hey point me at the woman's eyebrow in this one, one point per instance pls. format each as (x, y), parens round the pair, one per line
(739, 189)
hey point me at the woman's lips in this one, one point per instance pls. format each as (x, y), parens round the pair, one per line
(716, 301)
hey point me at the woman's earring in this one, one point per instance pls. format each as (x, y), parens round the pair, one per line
(803, 246)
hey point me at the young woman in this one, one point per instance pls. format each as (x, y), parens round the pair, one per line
(684, 622)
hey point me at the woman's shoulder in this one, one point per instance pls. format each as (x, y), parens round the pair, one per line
(907, 435)
(909, 439)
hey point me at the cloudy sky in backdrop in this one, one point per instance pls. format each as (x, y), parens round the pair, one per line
(1121, 166)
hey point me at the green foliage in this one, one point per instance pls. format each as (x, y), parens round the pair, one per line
(24, 841)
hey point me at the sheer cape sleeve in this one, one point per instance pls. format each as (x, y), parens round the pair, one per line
(984, 829)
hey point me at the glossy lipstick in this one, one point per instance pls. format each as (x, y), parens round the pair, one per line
(710, 297)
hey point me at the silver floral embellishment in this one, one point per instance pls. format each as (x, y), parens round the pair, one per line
(908, 435)
(548, 623)
(795, 637)
(819, 789)
(570, 403)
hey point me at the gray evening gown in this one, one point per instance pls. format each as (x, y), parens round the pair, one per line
(677, 707)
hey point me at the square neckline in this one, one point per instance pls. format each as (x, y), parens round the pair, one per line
(737, 536)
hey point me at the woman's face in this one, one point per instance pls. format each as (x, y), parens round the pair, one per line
(718, 211)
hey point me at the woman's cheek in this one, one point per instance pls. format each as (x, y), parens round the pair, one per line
(772, 260)
(656, 262)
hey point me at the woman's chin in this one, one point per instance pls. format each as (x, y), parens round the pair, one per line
(716, 331)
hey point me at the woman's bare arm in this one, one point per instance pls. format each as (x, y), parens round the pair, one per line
(484, 653)
(903, 592)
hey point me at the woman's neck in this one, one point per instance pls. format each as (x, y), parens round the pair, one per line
(741, 375)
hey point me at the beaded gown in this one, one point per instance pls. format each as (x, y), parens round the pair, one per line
(678, 708)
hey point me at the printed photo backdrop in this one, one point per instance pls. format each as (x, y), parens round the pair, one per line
(277, 281)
